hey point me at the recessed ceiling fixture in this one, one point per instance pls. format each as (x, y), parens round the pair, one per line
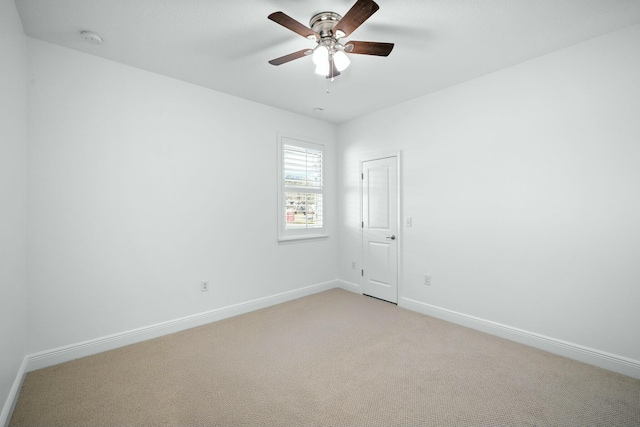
(91, 37)
(326, 29)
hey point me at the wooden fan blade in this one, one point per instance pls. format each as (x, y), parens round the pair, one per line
(368, 48)
(359, 12)
(293, 25)
(290, 57)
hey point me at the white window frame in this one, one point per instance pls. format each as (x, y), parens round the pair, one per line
(301, 234)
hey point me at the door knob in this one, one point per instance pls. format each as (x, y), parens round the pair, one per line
(392, 237)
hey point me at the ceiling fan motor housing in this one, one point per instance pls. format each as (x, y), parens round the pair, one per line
(323, 24)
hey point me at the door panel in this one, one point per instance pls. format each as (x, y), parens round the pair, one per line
(380, 228)
(379, 255)
(378, 192)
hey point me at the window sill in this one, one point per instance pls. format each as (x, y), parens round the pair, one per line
(302, 238)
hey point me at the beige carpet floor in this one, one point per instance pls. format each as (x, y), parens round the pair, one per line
(334, 359)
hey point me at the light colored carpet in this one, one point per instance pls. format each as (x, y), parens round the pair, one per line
(333, 358)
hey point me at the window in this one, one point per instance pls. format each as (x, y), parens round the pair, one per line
(301, 181)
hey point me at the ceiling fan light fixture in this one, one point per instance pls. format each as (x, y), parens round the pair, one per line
(341, 60)
(320, 55)
(323, 68)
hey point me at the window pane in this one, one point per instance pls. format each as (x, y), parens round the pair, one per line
(302, 167)
(303, 210)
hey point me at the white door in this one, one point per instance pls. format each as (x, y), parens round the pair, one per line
(380, 228)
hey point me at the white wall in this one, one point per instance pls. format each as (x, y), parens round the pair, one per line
(13, 320)
(524, 189)
(140, 187)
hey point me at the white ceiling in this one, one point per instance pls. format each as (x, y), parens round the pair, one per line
(225, 44)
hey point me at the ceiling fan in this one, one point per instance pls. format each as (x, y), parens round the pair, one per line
(327, 28)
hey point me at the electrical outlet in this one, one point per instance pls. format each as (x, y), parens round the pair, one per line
(427, 280)
(204, 286)
(353, 265)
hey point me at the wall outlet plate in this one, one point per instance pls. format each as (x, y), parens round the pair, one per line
(427, 280)
(204, 286)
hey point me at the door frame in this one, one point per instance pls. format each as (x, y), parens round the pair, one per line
(367, 158)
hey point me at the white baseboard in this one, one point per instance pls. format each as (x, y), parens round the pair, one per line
(348, 286)
(12, 399)
(63, 354)
(588, 355)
